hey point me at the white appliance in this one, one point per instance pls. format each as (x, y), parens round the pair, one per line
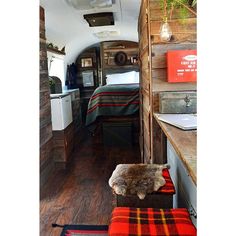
(61, 111)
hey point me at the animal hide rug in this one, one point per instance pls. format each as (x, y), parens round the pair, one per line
(140, 179)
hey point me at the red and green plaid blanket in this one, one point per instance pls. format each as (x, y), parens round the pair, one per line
(151, 222)
(113, 100)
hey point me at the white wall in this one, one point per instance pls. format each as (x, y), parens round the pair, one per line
(56, 66)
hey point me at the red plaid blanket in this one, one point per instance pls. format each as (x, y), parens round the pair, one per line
(150, 221)
(168, 188)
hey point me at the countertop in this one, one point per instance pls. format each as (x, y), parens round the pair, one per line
(184, 143)
(64, 93)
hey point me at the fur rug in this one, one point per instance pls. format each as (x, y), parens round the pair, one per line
(137, 179)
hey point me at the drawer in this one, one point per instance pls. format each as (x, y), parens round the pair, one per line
(177, 102)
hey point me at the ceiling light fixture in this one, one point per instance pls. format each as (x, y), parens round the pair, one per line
(101, 3)
(89, 4)
(106, 34)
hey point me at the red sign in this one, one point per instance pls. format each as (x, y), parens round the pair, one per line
(182, 66)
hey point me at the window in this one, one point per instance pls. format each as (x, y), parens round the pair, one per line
(56, 66)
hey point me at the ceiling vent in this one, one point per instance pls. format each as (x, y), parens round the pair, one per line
(99, 19)
(89, 4)
(101, 3)
(106, 34)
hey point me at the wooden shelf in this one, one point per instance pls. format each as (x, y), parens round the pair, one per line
(160, 85)
(55, 51)
(125, 66)
(121, 49)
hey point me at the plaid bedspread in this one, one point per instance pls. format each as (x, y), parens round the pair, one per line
(169, 187)
(150, 221)
(113, 100)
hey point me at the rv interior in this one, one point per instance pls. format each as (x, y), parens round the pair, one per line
(109, 70)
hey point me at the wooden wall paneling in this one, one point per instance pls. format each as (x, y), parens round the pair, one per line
(143, 53)
(144, 40)
(151, 84)
(154, 69)
(159, 70)
(146, 83)
(182, 31)
(46, 147)
(146, 101)
(159, 144)
(63, 142)
(147, 137)
(159, 52)
(141, 113)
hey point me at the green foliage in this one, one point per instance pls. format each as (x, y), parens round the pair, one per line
(183, 12)
(51, 82)
(194, 3)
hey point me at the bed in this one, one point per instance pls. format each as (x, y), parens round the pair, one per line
(118, 98)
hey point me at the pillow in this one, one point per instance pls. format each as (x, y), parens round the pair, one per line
(123, 78)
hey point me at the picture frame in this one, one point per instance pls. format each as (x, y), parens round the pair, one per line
(86, 62)
(88, 78)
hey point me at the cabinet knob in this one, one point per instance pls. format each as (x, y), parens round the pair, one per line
(187, 100)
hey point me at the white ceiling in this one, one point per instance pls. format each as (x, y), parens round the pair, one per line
(65, 25)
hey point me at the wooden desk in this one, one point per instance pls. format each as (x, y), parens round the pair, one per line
(184, 143)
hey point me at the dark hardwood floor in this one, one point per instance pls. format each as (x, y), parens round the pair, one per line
(81, 194)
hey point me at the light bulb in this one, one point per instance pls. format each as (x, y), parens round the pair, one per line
(165, 32)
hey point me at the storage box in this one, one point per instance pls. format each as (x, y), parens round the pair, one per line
(117, 134)
(177, 102)
(182, 66)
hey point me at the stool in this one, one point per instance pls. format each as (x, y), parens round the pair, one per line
(163, 198)
(150, 221)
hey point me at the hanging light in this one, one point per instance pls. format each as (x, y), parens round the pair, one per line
(165, 30)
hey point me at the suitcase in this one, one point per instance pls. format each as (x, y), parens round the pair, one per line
(174, 102)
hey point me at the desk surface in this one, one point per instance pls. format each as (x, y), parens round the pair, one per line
(184, 143)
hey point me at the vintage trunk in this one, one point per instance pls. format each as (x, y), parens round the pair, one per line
(154, 200)
(177, 102)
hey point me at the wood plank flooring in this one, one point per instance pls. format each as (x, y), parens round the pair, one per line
(81, 194)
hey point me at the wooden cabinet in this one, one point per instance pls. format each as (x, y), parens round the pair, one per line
(63, 143)
(76, 109)
(153, 70)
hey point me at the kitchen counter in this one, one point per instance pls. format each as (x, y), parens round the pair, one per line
(75, 93)
(184, 143)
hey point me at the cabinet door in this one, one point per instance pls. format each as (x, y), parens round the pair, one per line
(186, 190)
(66, 111)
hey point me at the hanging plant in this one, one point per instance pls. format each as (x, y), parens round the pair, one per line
(183, 8)
(52, 85)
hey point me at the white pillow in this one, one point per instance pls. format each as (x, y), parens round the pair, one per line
(123, 78)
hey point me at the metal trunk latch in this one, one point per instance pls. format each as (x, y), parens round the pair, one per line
(187, 100)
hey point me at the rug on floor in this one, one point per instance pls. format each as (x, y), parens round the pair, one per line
(85, 230)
